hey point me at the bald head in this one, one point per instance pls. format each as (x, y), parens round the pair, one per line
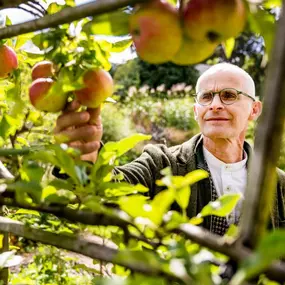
(230, 71)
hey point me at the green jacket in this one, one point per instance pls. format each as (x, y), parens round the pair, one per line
(183, 159)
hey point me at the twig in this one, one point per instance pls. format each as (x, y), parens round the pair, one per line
(235, 251)
(66, 15)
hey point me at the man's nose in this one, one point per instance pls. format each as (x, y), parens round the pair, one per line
(216, 103)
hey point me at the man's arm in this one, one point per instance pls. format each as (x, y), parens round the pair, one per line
(83, 130)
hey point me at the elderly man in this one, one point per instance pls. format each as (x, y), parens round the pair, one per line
(225, 104)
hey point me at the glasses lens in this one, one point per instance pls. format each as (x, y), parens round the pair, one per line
(204, 98)
(228, 96)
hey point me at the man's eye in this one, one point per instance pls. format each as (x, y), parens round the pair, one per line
(228, 95)
(206, 96)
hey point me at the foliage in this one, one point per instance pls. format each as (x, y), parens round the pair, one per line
(148, 237)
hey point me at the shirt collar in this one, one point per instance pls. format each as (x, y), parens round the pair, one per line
(215, 162)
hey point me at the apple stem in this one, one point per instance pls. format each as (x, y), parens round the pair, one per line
(181, 6)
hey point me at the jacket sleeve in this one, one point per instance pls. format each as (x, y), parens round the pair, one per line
(146, 168)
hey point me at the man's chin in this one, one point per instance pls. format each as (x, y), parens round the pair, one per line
(217, 134)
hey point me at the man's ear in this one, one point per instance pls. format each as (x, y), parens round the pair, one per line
(256, 110)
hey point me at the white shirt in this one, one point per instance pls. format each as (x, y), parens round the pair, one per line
(228, 178)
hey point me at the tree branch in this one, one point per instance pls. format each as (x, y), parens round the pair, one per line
(66, 15)
(261, 186)
(235, 250)
(114, 218)
(203, 237)
(83, 246)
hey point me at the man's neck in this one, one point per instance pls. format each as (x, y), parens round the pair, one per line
(226, 150)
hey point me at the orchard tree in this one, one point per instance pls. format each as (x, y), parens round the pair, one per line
(153, 244)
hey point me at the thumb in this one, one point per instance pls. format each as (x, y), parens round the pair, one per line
(95, 115)
(72, 106)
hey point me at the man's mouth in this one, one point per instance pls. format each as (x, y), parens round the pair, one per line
(217, 119)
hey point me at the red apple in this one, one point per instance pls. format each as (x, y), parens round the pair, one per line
(214, 20)
(43, 69)
(44, 98)
(156, 31)
(99, 85)
(8, 60)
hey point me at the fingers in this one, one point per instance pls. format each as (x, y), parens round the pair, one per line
(86, 133)
(72, 106)
(86, 148)
(71, 119)
(80, 129)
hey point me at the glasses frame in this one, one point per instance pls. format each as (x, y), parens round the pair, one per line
(219, 93)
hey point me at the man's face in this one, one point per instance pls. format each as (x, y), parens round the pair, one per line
(219, 121)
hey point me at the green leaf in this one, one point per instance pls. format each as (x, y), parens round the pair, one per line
(139, 259)
(160, 205)
(178, 182)
(121, 45)
(173, 219)
(24, 190)
(27, 212)
(8, 21)
(54, 8)
(62, 184)
(173, 2)
(221, 207)
(183, 197)
(126, 144)
(263, 23)
(228, 46)
(111, 24)
(122, 188)
(272, 3)
(134, 205)
(270, 248)
(110, 152)
(8, 126)
(22, 39)
(31, 171)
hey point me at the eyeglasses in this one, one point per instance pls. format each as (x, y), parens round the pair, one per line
(227, 96)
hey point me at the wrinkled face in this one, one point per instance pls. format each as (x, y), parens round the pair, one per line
(219, 121)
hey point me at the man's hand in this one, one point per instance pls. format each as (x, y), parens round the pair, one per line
(82, 130)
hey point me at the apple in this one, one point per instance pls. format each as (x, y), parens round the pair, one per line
(44, 98)
(214, 20)
(99, 85)
(156, 31)
(192, 52)
(43, 69)
(8, 60)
